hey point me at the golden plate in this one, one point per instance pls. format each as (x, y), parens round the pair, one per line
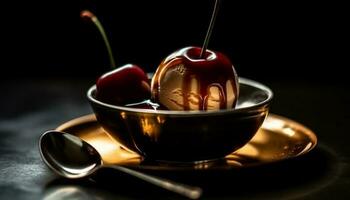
(278, 139)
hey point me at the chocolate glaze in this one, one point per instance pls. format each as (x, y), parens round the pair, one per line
(214, 70)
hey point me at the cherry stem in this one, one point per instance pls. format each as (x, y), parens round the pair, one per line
(210, 29)
(89, 15)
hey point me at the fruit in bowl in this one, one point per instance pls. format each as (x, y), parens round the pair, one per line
(186, 81)
(188, 113)
(125, 84)
(191, 78)
(185, 136)
(194, 78)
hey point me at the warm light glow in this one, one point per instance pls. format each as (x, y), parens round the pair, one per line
(123, 115)
(248, 151)
(245, 104)
(160, 119)
(109, 149)
(307, 148)
(104, 145)
(273, 124)
(260, 137)
(202, 166)
(150, 127)
(230, 95)
(233, 163)
(288, 131)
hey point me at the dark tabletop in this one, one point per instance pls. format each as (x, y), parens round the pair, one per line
(30, 107)
(292, 47)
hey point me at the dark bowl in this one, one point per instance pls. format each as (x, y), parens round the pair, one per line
(186, 136)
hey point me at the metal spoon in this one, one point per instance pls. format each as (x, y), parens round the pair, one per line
(71, 157)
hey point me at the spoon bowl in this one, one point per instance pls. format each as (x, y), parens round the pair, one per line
(71, 157)
(68, 155)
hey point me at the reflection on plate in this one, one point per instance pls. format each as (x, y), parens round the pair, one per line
(278, 139)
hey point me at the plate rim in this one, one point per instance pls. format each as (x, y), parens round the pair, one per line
(88, 118)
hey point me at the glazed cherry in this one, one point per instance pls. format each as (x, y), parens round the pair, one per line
(194, 78)
(185, 81)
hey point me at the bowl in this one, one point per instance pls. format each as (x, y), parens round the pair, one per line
(186, 136)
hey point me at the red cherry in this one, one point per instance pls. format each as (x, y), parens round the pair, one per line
(184, 81)
(195, 78)
(126, 84)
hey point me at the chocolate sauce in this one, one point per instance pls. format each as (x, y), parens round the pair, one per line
(215, 71)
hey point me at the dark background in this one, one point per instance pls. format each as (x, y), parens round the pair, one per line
(265, 40)
(49, 57)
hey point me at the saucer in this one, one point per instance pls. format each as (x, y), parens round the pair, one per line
(278, 139)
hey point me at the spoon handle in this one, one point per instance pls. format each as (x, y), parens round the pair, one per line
(191, 192)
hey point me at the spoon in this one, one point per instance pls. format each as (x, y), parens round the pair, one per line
(71, 157)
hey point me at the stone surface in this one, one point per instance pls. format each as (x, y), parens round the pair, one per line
(30, 107)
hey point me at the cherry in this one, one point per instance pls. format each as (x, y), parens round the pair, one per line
(184, 81)
(195, 78)
(126, 84)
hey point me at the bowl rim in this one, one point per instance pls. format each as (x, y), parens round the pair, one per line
(199, 112)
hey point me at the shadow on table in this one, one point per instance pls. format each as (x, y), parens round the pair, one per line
(291, 178)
